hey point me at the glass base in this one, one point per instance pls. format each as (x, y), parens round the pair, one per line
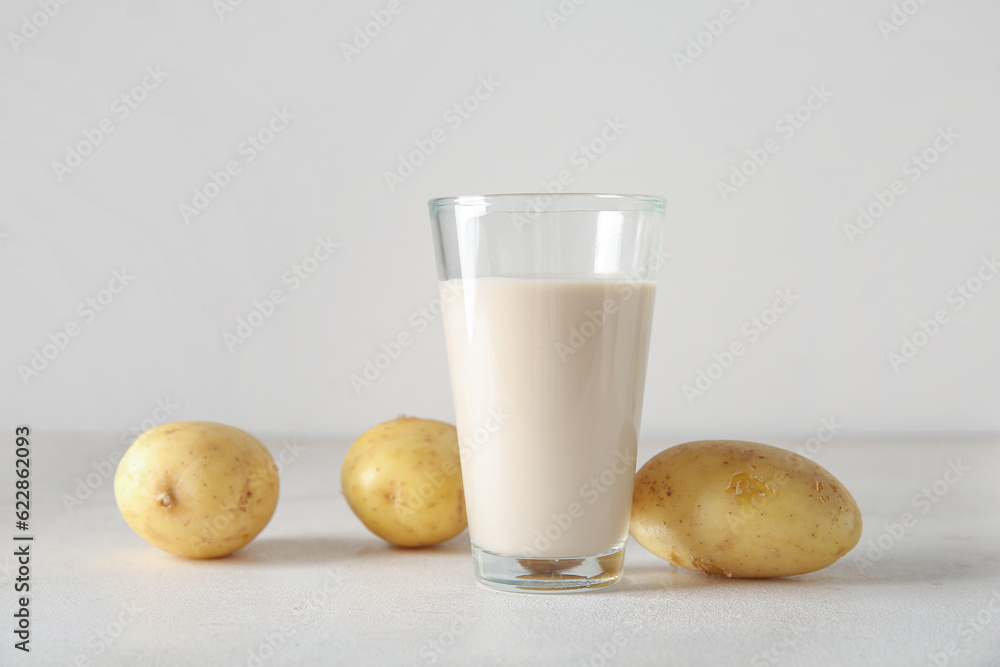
(548, 575)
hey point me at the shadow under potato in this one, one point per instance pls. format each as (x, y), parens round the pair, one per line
(930, 565)
(377, 547)
(320, 549)
(295, 550)
(667, 576)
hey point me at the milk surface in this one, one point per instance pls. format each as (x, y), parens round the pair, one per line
(548, 378)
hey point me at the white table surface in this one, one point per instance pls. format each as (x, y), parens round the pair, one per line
(324, 591)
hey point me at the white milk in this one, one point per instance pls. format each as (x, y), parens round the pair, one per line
(548, 377)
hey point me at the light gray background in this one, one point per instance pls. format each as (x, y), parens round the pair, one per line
(161, 339)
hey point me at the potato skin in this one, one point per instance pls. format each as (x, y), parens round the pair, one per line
(742, 509)
(403, 479)
(197, 489)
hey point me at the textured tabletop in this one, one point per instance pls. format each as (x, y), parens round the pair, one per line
(315, 588)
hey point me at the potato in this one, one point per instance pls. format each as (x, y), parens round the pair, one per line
(403, 480)
(197, 489)
(742, 509)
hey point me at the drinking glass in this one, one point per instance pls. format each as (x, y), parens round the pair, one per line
(547, 309)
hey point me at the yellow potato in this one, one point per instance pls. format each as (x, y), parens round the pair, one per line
(197, 489)
(403, 480)
(742, 509)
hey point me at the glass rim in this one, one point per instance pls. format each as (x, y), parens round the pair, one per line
(483, 199)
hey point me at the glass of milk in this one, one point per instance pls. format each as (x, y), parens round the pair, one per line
(548, 304)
